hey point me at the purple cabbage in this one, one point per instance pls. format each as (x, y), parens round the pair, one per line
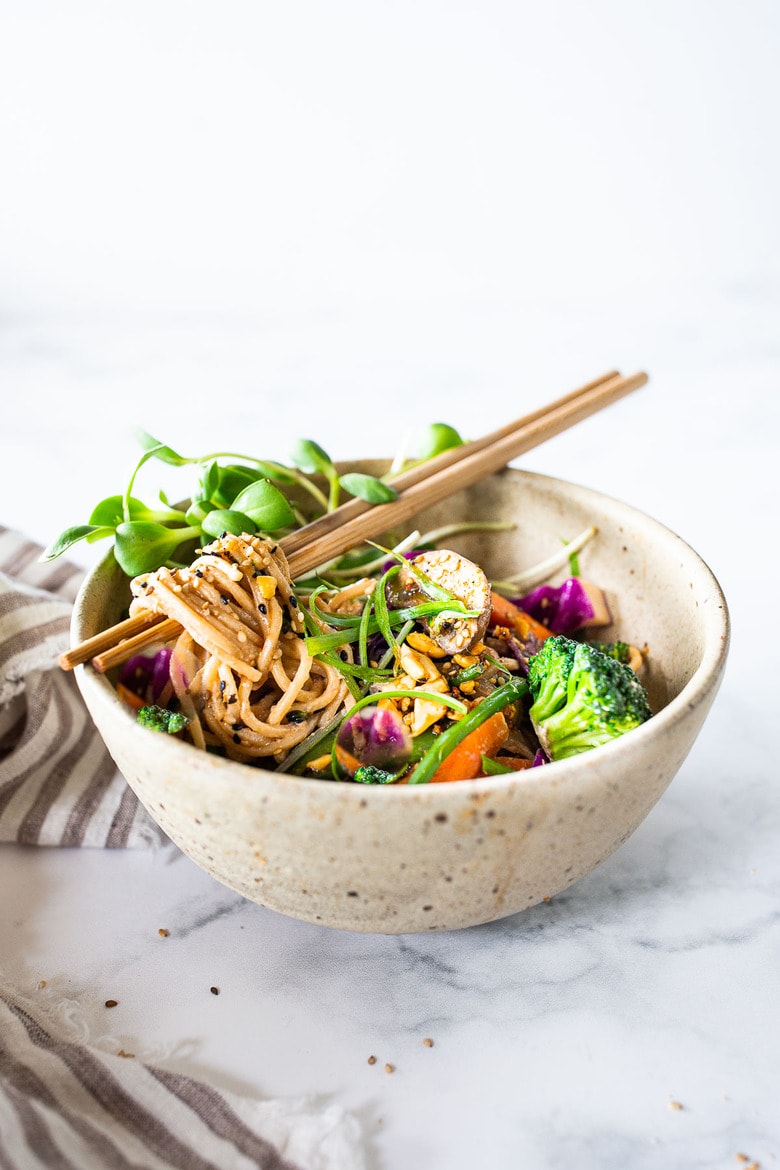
(147, 675)
(374, 736)
(539, 759)
(563, 608)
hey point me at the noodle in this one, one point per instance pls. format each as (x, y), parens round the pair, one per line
(240, 668)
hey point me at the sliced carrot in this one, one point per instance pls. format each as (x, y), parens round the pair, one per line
(506, 613)
(465, 761)
(130, 697)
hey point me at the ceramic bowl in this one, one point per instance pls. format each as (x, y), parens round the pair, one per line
(445, 856)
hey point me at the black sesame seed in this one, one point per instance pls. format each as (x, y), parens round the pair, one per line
(224, 599)
(222, 685)
(293, 602)
(274, 548)
(236, 738)
(343, 655)
(198, 572)
(262, 608)
(237, 726)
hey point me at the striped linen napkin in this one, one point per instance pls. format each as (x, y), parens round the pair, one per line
(69, 1105)
(58, 784)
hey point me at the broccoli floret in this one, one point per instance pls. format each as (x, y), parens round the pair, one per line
(620, 651)
(161, 719)
(370, 774)
(582, 697)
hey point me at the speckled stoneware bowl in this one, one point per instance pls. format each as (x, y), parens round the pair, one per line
(444, 856)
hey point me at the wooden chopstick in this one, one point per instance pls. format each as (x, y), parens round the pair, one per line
(464, 466)
(414, 475)
(356, 521)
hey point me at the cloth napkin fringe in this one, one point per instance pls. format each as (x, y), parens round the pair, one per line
(69, 1105)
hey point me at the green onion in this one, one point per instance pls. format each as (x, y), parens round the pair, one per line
(494, 767)
(467, 674)
(365, 619)
(381, 611)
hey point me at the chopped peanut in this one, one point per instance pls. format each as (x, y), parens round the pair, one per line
(426, 645)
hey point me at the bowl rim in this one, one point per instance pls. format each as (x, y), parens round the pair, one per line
(703, 683)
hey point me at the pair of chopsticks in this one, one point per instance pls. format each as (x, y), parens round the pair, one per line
(356, 521)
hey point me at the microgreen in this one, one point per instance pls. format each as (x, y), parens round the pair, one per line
(141, 546)
(425, 444)
(232, 493)
(368, 487)
(221, 520)
(265, 505)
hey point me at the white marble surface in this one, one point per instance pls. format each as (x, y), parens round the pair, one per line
(457, 224)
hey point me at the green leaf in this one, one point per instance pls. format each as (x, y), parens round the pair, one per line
(198, 510)
(110, 512)
(367, 487)
(266, 505)
(310, 457)
(436, 438)
(227, 520)
(208, 481)
(68, 538)
(159, 450)
(230, 481)
(100, 533)
(141, 546)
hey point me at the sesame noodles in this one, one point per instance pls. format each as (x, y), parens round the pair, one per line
(240, 669)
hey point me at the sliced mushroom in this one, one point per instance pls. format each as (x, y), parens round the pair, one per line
(467, 582)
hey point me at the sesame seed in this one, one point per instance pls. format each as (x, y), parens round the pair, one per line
(163, 933)
(111, 1003)
(262, 608)
(372, 1060)
(214, 990)
(428, 1042)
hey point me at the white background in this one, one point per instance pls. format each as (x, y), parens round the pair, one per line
(258, 220)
